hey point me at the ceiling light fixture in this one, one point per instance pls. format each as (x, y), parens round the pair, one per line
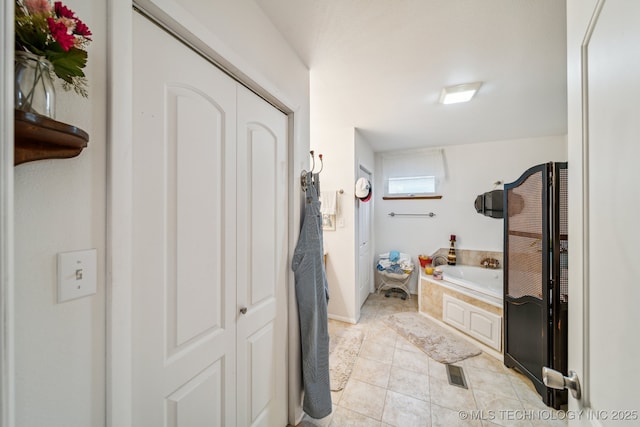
(459, 93)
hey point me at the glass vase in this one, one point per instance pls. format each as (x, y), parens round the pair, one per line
(34, 90)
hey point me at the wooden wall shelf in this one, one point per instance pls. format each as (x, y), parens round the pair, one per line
(38, 137)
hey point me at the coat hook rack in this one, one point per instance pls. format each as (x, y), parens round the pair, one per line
(303, 175)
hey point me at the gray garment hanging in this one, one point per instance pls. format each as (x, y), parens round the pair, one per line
(312, 294)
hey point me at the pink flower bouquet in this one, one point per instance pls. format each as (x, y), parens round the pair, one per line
(56, 33)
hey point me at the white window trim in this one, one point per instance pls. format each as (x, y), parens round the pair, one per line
(413, 164)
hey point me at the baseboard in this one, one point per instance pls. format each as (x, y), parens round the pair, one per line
(342, 319)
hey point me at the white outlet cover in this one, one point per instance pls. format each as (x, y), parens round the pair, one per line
(77, 274)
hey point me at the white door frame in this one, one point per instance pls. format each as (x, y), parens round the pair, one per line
(7, 389)
(579, 224)
(119, 206)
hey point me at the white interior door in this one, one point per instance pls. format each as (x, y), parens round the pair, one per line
(209, 215)
(184, 317)
(365, 266)
(603, 339)
(262, 262)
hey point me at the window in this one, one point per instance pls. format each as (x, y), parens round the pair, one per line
(411, 185)
(415, 173)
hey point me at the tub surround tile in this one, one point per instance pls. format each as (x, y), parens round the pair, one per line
(470, 256)
(432, 296)
(434, 291)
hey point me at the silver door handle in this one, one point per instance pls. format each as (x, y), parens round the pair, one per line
(555, 379)
(243, 310)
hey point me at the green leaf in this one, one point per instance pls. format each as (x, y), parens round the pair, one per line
(68, 65)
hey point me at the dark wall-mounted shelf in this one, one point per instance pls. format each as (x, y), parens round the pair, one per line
(38, 137)
(411, 197)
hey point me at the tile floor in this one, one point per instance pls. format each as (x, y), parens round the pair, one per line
(393, 383)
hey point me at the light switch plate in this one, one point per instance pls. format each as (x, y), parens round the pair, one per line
(77, 274)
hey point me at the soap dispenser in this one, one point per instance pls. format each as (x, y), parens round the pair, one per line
(451, 256)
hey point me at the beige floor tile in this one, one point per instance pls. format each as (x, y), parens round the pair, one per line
(307, 421)
(375, 350)
(450, 396)
(387, 310)
(438, 370)
(335, 397)
(395, 384)
(503, 411)
(526, 392)
(445, 417)
(403, 344)
(486, 361)
(401, 410)
(416, 362)
(481, 379)
(371, 371)
(367, 318)
(542, 417)
(381, 334)
(410, 383)
(363, 398)
(343, 417)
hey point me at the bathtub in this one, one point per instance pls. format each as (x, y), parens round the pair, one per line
(484, 283)
(467, 298)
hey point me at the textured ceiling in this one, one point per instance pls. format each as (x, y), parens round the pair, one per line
(379, 66)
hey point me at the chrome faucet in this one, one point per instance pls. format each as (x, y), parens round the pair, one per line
(490, 263)
(436, 258)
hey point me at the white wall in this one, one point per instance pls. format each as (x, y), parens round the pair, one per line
(338, 174)
(471, 169)
(60, 206)
(344, 149)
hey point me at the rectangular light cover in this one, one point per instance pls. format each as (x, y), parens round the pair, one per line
(459, 93)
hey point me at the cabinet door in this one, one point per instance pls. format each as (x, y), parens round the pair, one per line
(184, 261)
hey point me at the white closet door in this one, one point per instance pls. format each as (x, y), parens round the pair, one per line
(184, 260)
(365, 266)
(262, 262)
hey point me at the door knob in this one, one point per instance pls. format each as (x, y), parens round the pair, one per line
(243, 310)
(555, 379)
